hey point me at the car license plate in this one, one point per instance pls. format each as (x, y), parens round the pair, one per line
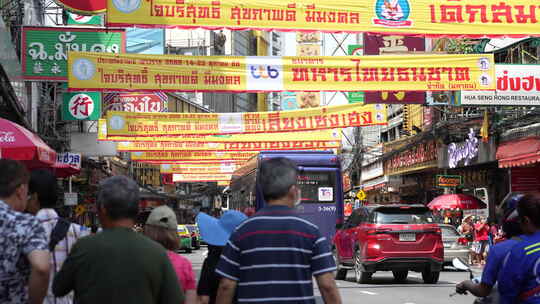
(407, 237)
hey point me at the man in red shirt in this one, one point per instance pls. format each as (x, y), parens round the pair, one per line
(481, 232)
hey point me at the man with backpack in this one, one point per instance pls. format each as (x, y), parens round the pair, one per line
(62, 234)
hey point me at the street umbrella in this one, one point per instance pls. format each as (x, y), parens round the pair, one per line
(456, 201)
(18, 143)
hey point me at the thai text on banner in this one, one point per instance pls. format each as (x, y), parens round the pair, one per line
(190, 156)
(428, 17)
(104, 71)
(170, 124)
(178, 178)
(217, 168)
(128, 146)
(316, 135)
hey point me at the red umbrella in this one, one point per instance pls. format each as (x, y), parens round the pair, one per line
(456, 201)
(18, 143)
(64, 170)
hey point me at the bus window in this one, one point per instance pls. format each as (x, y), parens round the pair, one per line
(318, 187)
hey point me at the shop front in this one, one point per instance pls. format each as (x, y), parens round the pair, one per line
(521, 157)
(473, 163)
(417, 167)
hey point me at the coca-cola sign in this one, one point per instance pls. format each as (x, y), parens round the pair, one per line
(517, 84)
(7, 137)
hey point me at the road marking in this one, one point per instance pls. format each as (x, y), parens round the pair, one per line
(368, 293)
(409, 303)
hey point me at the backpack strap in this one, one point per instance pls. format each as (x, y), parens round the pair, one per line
(58, 233)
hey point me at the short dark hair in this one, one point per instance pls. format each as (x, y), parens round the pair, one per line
(14, 174)
(119, 195)
(43, 183)
(276, 177)
(529, 206)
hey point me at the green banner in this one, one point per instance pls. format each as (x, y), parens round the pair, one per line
(45, 49)
(81, 106)
(356, 50)
(75, 19)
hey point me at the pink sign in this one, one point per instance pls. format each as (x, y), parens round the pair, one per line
(136, 102)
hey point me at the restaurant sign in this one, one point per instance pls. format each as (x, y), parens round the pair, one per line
(517, 85)
(448, 181)
(45, 49)
(419, 157)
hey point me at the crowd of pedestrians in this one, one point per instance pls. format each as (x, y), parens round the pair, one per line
(270, 257)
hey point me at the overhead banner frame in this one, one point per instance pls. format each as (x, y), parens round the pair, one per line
(431, 18)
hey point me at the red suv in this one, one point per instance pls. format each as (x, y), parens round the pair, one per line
(397, 238)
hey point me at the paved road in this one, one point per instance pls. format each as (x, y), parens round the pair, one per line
(383, 290)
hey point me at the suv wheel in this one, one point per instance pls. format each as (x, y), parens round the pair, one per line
(341, 274)
(430, 277)
(400, 275)
(361, 277)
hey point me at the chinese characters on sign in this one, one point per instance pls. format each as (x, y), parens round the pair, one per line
(46, 48)
(81, 106)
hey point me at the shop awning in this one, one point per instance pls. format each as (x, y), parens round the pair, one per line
(519, 152)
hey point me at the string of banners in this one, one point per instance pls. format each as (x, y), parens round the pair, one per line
(433, 18)
(90, 71)
(170, 124)
(193, 140)
(217, 168)
(191, 156)
(185, 178)
(130, 146)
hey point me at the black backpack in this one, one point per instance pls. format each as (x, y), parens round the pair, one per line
(59, 232)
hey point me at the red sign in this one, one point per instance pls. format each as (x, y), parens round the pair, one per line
(87, 7)
(525, 179)
(376, 44)
(136, 102)
(418, 155)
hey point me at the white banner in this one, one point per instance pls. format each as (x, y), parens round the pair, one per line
(517, 85)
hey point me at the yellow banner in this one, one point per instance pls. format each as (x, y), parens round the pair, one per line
(223, 183)
(186, 178)
(129, 146)
(191, 156)
(105, 71)
(171, 124)
(218, 168)
(317, 135)
(429, 17)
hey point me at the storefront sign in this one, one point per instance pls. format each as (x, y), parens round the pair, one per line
(465, 152)
(218, 168)
(84, 7)
(468, 153)
(422, 156)
(136, 102)
(171, 124)
(81, 106)
(125, 146)
(72, 159)
(104, 71)
(448, 181)
(317, 135)
(188, 178)
(191, 156)
(45, 49)
(376, 44)
(517, 84)
(428, 17)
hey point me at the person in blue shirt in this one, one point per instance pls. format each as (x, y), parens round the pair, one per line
(520, 282)
(497, 253)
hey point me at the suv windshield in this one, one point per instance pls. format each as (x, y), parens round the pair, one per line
(401, 216)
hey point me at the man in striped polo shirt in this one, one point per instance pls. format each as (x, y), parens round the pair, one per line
(272, 256)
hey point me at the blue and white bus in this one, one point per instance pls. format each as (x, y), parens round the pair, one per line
(320, 181)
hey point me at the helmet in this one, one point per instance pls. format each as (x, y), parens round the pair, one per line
(510, 222)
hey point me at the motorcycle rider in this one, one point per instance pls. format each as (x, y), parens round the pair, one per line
(521, 280)
(497, 253)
